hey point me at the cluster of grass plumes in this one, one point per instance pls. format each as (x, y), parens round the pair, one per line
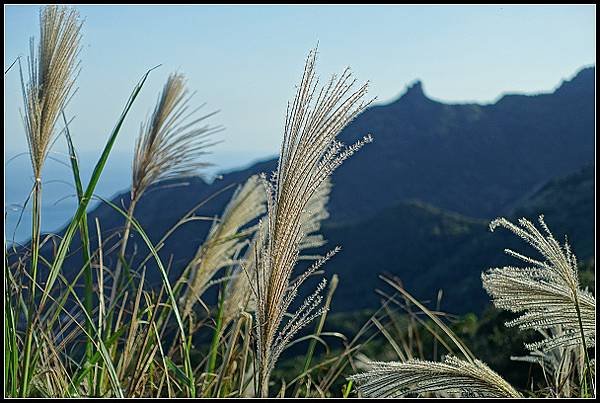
(121, 338)
(547, 293)
(224, 240)
(550, 300)
(118, 337)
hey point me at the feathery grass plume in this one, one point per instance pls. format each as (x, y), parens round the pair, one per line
(309, 154)
(547, 293)
(225, 238)
(238, 292)
(413, 377)
(51, 78)
(170, 144)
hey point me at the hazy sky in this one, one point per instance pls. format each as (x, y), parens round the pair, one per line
(245, 60)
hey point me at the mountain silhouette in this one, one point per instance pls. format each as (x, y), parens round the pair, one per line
(469, 158)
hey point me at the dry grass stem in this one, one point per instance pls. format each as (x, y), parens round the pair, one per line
(309, 154)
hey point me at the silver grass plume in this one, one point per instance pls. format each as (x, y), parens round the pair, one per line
(546, 293)
(309, 154)
(450, 377)
(172, 142)
(225, 238)
(51, 78)
(238, 292)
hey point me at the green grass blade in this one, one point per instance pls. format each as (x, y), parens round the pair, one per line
(214, 344)
(87, 196)
(171, 295)
(11, 352)
(347, 389)
(85, 239)
(179, 374)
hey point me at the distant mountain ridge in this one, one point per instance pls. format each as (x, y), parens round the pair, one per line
(452, 166)
(469, 158)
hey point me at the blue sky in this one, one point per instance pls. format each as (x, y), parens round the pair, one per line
(246, 60)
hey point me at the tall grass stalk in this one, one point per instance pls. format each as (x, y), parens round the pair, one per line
(170, 144)
(51, 79)
(214, 344)
(309, 154)
(51, 76)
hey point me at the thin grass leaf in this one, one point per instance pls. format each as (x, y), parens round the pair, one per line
(83, 232)
(87, 196)
(468, 355)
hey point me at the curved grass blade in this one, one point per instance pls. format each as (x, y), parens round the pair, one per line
(461, 346)
(84, 235)
(171, 295)
(81, 210)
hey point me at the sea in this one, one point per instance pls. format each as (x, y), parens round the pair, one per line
(59, 199)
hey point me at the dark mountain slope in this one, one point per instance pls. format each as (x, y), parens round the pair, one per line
(472, 159)
(431, 249)
(568, 205)
(408, 240)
